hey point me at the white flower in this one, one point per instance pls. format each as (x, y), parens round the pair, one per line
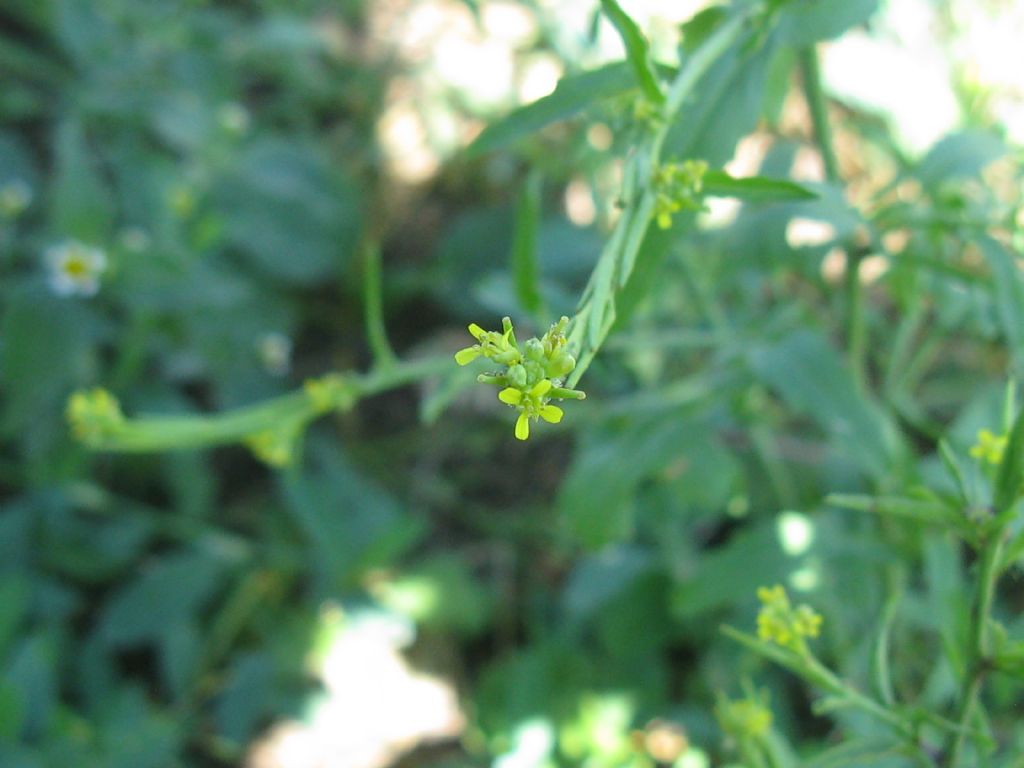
(15, 197)
(75, 268)
(275, 351)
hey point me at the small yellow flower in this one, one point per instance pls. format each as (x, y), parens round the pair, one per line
(93, 414)
(990, 447)
(779, 622)
(744, 718)
(533, 371)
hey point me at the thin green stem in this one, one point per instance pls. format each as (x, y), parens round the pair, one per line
(856, 334)
(338, 391)
(815, 95)
(979, 648)
(373, 307)
(595, 314)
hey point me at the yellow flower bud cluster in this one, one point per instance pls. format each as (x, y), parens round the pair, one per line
(990, 447)
(93, 414)
(677, 187)
(781, 623)
(533, 372)
(743, 718)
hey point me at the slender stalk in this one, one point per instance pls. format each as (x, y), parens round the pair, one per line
(162, 433)
(373, 307)
(856, 335)
(979, 649)
(815, 96)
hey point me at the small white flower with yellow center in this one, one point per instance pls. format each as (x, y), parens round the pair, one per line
(75, 268)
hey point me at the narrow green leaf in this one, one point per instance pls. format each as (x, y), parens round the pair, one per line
(638, 52)
(930, 512)
(755, 189)
(1009, 295)
(525, 271)
(1011, 469)
(573, 94)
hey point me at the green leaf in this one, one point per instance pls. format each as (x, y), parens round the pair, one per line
(755, 189)
(638, 52)
(82, 204)
(573, 94)
(171, 591)
(1008, 287)
(1010, 479)
(525, 270)
(930, 512)
(814, 380)
(960, 155)
(805, 22)
(246, 698)
(290, 212)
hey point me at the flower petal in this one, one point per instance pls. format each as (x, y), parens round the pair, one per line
(522, 426)
(540, 388)
(551, 414)
(477, 331)
(510, 395)
(467, 355)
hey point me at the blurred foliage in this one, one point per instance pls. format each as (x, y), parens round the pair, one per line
(227, 160)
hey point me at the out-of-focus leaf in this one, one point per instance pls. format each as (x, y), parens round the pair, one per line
(82, 203)
(1008, 286)
(638, 52)
(813, 380)
(290, 212)
(169, 592)
(441, 593)
(573, 94)
(729, 575)
(1010, 479)
(805, 22)
(44, 352)
(247, 696)
(958, 156)
(598, 577)
(524, 246)
(755, 189)
(33, 676)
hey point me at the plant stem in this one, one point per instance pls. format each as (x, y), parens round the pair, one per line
(979, 649)
(162, 433)
(815, 95)
(373, 306)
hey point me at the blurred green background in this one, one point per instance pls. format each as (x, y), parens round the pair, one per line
(185, 190)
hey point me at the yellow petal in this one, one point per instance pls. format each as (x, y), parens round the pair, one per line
(540, 388)
(477, 331)
(551, 413)
(467, 355)
(522, 426)
(510, 395)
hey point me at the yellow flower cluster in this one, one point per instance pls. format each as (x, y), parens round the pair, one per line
(533, 372)
(93, 414)
(743, 718)
(677, 187)
(990, 447)
(781, 623)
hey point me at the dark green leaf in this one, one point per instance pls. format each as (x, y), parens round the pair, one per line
(755, 189)
(805, 22)
(638, 52)
(573, 94)
(525, 269)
